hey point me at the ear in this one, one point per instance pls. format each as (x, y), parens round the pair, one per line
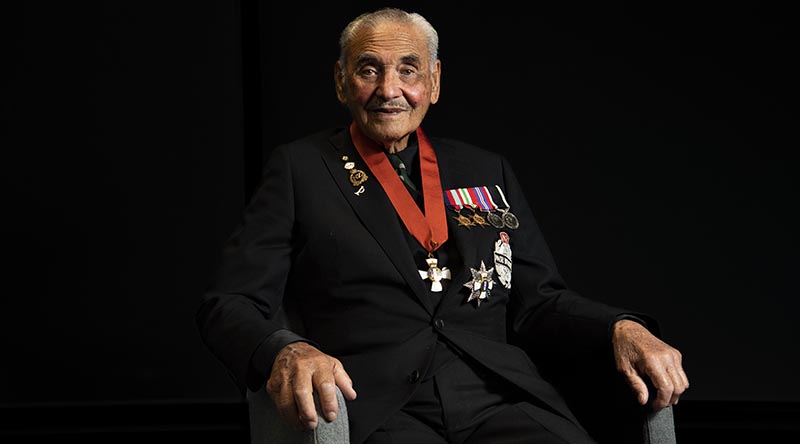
(338, 79)
(436, 77)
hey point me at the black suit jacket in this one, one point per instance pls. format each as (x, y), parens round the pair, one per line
(340, 261)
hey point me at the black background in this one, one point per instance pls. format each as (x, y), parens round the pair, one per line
(657, 145)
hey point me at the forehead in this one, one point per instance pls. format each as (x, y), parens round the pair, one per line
(389, 42)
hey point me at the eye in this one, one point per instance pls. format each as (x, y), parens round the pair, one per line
(368, 72)
(409, 74)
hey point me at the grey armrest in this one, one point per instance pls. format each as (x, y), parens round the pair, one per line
(266, 427)
(659, 427)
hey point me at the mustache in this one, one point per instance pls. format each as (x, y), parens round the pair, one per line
(394, 104)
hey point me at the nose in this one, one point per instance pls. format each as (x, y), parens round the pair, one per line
(389, 86)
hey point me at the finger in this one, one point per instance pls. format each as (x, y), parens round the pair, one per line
(287, 410)
(682, 374)
(306, 409)
(325, 383)
(327, 399)
(681, 384)
(327, 390)
(677, 385)
(344, 382)
(284, 400)
(664, 389)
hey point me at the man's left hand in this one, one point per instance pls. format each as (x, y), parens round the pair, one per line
(639, 355)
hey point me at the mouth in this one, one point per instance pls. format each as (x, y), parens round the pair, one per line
(388, 111)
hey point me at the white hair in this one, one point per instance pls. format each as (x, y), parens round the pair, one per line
(373, 19)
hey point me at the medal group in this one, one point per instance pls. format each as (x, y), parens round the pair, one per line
(474, 200)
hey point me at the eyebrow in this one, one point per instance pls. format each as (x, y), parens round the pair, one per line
(411, 60)
(368, 59)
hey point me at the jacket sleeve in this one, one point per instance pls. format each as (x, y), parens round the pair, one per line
(237, 313)
(546, 317)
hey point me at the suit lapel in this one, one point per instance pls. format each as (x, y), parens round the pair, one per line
(374, 209)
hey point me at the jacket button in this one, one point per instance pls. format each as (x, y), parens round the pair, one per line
(439, 323)
(414, 376)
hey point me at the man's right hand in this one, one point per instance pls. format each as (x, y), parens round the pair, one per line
(299, 370)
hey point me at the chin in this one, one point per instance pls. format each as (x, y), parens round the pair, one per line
(388, 131)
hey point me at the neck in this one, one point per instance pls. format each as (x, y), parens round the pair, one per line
(395, 146)
(392, 146)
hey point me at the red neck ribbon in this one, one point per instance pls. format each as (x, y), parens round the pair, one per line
(429, 229)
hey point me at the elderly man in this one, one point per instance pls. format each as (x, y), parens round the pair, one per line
(417, 271)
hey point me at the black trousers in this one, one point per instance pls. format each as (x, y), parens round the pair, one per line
(462, 403)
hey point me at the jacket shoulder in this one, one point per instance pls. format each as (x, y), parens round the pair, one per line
(313, 140)
(465, 149)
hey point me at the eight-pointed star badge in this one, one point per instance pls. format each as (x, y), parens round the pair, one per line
(481, 284)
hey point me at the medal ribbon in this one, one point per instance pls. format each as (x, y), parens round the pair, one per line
(459, 198)
(429, 229)
(502, 196)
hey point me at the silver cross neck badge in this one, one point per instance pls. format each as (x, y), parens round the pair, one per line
(435, 274)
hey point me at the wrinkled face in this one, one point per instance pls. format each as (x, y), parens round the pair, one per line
(387, 83)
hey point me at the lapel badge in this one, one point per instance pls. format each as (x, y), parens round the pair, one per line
(357, 177)
(480, 285)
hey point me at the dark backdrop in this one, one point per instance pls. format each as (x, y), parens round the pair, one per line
(121, 174)
(656, 144)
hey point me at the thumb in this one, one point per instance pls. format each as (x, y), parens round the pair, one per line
(638, 386)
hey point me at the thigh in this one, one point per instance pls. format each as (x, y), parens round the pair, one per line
(403, 428)
(524, 423)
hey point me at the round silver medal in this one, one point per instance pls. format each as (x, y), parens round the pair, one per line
(510, 220)
(495, 219)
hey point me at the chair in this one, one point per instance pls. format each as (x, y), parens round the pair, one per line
(597, 394)
(267, 428)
